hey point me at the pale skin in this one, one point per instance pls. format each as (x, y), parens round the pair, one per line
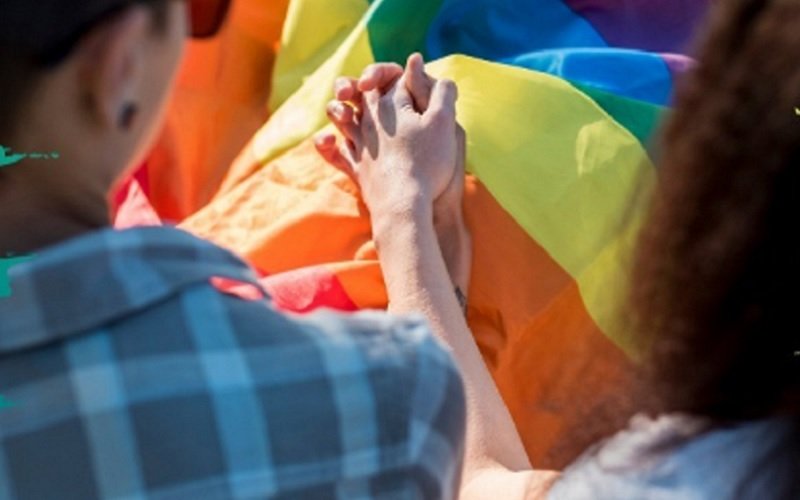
(403, 147)
(75, 109)
(412, 183)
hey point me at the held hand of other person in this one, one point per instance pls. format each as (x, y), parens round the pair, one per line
(414, 262)
(403, 160)
(346, 111)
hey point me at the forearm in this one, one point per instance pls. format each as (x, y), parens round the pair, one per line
(418, 281)
(455, 243)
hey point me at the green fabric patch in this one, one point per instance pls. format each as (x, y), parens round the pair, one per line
(642, 119)
(397, 29)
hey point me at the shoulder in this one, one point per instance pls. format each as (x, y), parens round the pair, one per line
(333, 400)
(377, 392)
(372, 345)
(368, 341)
(408, 374)
(325, 344)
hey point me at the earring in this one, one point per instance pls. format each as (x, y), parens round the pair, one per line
(127, 115)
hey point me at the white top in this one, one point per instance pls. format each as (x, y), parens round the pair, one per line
(671, 458)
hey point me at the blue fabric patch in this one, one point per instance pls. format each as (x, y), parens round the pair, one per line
(628, 73)
(547, 36)
(499, 29)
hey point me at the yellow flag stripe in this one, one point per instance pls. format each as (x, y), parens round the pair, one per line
(552, 157)
(568, 173)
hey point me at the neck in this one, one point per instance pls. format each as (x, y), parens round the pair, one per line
(31, 221)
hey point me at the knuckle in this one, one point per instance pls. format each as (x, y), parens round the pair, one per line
(331, 112)
(341, 84)
(372, 100)
(450, 87)
(372, 70)
(441, 117)
(407, 106)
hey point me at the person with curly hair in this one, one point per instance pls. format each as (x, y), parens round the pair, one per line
(711, 289)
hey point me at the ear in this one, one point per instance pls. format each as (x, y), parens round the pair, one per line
(111, 62)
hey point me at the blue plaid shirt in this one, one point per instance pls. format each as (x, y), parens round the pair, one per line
(127, 375)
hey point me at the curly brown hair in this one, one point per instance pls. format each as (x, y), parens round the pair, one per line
(714, 277)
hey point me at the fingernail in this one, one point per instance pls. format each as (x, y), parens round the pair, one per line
(339, 110)
(335, 108)
(341, 85)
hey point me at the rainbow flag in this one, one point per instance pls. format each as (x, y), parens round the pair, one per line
(560, 100)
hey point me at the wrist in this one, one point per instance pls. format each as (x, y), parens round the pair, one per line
(395, 220)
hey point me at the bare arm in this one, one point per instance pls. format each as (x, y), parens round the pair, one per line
(496, 465)
(412, 181)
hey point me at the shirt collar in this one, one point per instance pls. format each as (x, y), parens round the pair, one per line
(104, 276)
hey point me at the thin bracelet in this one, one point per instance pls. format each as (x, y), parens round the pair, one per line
(462, 300)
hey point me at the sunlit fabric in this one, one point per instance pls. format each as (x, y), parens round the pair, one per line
(560, 101)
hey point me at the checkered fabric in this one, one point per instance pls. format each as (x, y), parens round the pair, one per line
(128, 376)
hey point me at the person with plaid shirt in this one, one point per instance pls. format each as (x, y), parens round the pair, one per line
(132, 376)
(148, 363)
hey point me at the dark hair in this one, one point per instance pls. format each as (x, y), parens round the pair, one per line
(713, 286)
(20, 76)
(22, 71)
(716, 269)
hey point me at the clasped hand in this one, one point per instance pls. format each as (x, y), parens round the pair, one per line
(400, 142)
